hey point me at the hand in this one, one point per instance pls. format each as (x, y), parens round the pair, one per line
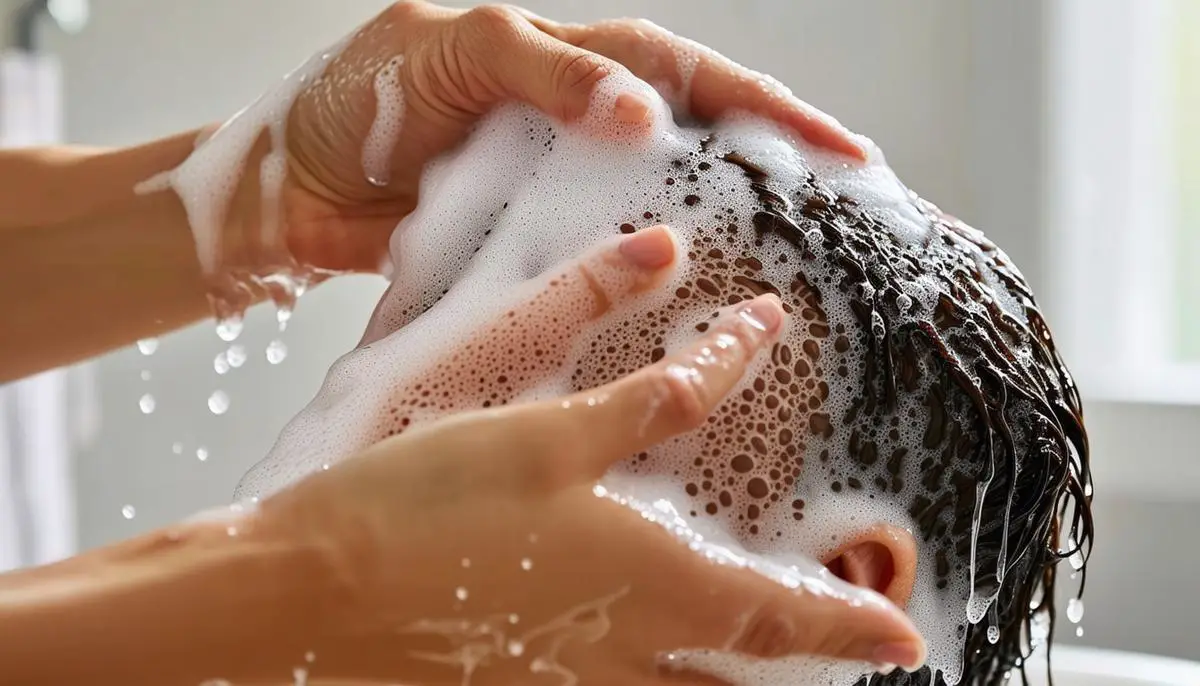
(456, 66)
(477, 543)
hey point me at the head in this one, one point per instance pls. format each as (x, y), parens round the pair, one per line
(914, 429)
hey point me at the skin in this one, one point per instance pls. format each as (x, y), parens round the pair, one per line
(326, 567)
(329, 568)
(74, 211)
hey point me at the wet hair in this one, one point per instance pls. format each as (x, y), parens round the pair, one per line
(915, 383)
(1006, 481)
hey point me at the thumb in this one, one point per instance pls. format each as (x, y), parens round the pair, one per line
(521, 62)
(777, 612)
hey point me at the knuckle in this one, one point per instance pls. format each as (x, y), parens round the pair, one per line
(681, 396)
(580, 69)
(769, 632)
(493, 20)
(405, 11)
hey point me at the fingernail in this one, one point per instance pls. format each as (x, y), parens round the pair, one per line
(649, 248)
(764, 313)
(631, 108)
(910, 656)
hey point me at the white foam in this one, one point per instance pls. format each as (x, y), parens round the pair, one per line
(207, 180)
(524, 195)
(385, 130)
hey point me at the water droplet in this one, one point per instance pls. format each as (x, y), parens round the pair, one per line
(128, 512)
(466, 563)
(1074, 610)
(993, 634)
(1076, 561)
(148, 346)
(283, 315)
(1079, 631)
(236, 356)
(300, 675)
(177, 448)
(229, 329)
(202, 454)
(325, 467)
(310, 657)
(218, 402)
(232, 531)
(527, 564)
(221, 363)
(513, 619)
(533, 538)
(276, 352)
(145, 375)
(461, 593)
(516, 648)
(147, 404)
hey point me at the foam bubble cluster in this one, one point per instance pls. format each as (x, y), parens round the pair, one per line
(877, 405)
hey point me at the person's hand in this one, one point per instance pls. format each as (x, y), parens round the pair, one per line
(478, 544)
(456, 66)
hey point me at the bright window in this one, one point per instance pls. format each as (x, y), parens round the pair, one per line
(1124, 180)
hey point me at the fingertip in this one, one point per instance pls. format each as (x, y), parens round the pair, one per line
(632, 108)
(764, 313)
(652, 248)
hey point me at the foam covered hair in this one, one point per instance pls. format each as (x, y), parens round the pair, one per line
(916, 384)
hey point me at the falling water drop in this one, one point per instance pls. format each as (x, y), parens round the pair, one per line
(1075, 610)
(283, 315)
(310, 657)
(145, 375)
(128, 512)
(147, 404)
(1076, 560)
(221, 363)
(276, 351)
(218, 402)
(993, 634)
(516, 648)
(466, 563)
(148, 346)
(513, 619)
(461, 593)
(202, 454)
(527, 564)
(1079, 631)
(229, 329)
(236, 356)
(177, 448)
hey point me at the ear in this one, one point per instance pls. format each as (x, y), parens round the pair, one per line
(883, 559)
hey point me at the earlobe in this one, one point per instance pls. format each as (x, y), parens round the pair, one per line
(883, 559)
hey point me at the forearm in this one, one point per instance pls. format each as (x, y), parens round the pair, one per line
(165, 609)
(86, 264)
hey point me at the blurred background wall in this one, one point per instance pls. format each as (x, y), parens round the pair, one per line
(956, 92)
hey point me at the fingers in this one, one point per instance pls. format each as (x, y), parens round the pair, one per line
(708, 83)
(532, 340)
(760, 617)
(670, 397)
(519, 61)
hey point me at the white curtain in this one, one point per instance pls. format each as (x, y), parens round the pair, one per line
(42, 418)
